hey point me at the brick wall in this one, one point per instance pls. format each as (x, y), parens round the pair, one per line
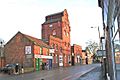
(51, 29)
(15, 50)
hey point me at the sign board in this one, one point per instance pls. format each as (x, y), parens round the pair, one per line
(101, 53)
(27, 49)
(28, 56)
(43, 56)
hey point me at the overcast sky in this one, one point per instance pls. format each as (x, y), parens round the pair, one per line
(28, 15)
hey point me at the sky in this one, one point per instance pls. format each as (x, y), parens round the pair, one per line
(27, 16)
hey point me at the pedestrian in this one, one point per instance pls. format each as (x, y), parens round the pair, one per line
(22, 69)
(86, 60)
(43, 66)
(16, 68)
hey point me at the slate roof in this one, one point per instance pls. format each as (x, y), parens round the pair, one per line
(37, 41)
(53, 20)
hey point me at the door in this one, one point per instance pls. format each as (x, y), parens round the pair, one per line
(37, 61)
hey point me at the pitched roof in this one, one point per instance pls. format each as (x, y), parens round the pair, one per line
(37, 41)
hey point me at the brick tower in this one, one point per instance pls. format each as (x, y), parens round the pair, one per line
(56, 32)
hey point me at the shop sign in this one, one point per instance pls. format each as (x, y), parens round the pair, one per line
(43, 56)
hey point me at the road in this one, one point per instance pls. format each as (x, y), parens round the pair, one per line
(95, 74)
(67, 73)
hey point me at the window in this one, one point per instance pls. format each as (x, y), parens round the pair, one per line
(68, 44)
(67, 34)
(53, 45)
(56, 47)
(64, 32)
(60, 49)
(41, 51)
(54, 32)
(59, 23)
(24, 40)
(50, 25)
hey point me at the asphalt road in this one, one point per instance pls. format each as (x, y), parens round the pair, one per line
(68, 73)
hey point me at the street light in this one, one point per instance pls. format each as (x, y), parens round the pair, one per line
(1, 52)
(98, 30)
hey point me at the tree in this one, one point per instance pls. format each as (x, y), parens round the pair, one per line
(92, 48)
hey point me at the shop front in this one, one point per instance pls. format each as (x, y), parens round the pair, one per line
(43, 62)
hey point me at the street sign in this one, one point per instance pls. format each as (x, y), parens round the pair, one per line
(101, 53)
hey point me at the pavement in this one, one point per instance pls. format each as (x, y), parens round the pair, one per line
(62, 73)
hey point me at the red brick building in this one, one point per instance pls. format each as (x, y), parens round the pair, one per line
(56, 32)
(76, 52)
(27, 51)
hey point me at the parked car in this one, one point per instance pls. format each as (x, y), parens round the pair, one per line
(9, 68)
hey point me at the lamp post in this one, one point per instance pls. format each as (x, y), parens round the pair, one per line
(98, 31)
(1, 52)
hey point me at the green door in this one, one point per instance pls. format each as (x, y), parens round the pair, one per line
(37, 64)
